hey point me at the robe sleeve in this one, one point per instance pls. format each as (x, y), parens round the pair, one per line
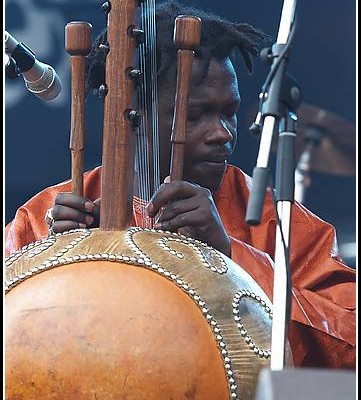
(29, 224)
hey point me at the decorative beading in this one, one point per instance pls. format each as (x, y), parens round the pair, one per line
(244, 333)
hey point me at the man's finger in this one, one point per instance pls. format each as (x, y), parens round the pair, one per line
(178, 207)
(74, 201)
(63, 226)
(63, 213)
(192, 218)
(169, 192)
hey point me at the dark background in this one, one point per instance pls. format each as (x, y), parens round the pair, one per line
(323, 61)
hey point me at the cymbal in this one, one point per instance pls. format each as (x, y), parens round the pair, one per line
(336, 152)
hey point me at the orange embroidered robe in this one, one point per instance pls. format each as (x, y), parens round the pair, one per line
(323, 327)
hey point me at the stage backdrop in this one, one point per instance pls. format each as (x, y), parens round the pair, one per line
(322, 60)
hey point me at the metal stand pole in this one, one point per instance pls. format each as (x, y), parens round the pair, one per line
(273, 108)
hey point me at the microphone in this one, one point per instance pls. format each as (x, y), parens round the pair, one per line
(40, 79)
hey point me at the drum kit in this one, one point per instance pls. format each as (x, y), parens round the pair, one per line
(333, 154)
(325, 145)
(333, 141)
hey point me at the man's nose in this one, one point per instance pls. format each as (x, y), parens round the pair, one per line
(219, 133)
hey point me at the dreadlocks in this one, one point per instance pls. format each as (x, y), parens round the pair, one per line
(219, 38)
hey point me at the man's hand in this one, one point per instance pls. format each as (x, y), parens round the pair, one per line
(71, 211)
(190, 210)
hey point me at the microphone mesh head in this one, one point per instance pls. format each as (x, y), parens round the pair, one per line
(48, 87)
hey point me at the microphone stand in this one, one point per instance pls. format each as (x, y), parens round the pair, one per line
(282, 286)
(277, 96)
